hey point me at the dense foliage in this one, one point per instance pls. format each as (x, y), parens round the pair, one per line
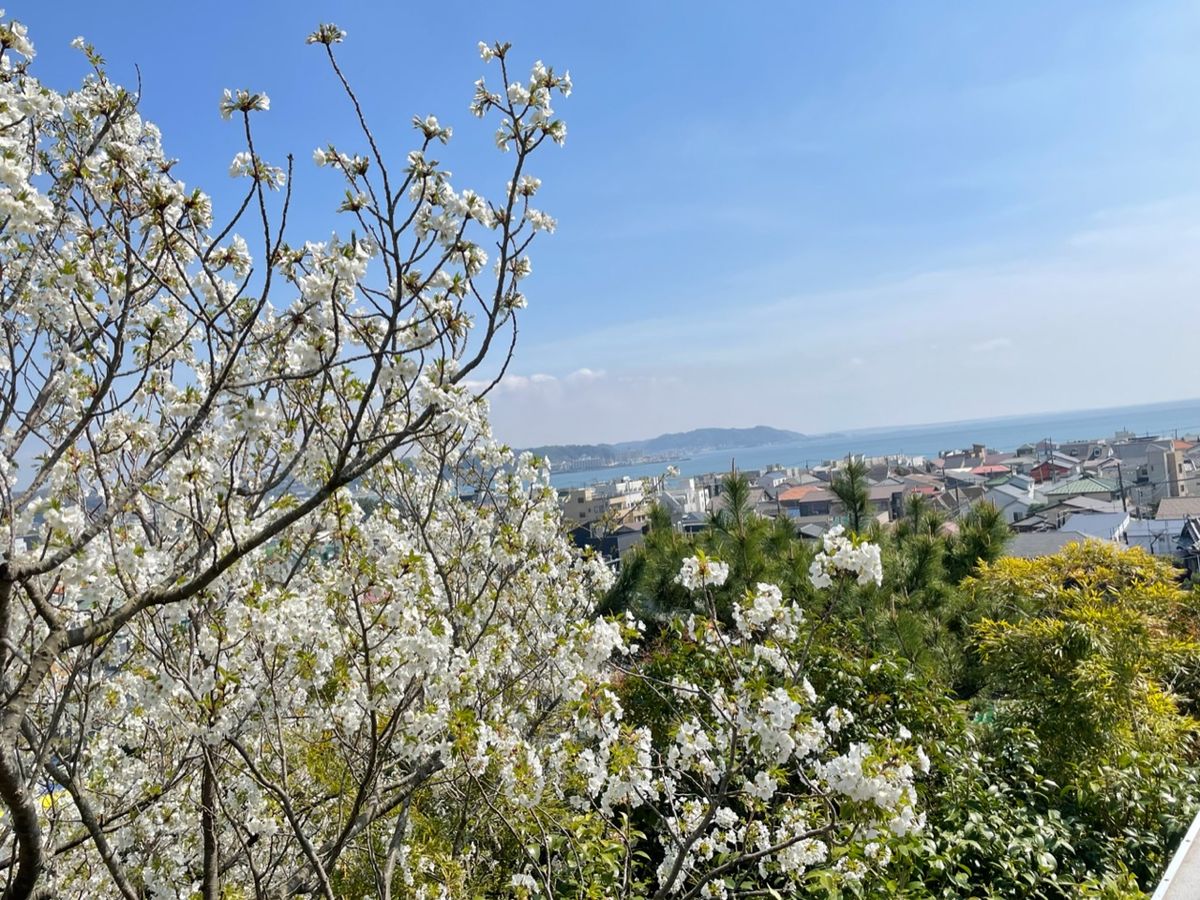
(1053, 696)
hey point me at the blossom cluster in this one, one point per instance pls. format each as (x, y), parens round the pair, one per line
(765, 611)
(842, 555)
(742, 739)
(698, 572)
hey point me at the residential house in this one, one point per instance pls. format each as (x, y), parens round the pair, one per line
(1031, 523)
(991, 470)
(1091, 504)
(1085, 451)
(1131, 451)
(887, 499)
(1102, 526)
(1059, 509)
(1085, 486)
(581, 505)
(1032, 545)
(774, 482)
(1191, 473)
(1177, 507)
(1164, 471)
(920, 482)
(1014, 497)
(1022, 463)
(963, 477)
(1055, 467)
(877, 471)
(808, 503)
(682, 497)
(612, 545)
(954, 502)
(1158, 537)
(964, 459)
(624, 502)
(1106, 466)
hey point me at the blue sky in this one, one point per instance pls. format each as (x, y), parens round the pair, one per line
(810, 215)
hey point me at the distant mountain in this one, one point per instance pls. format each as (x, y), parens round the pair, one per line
(700, 439)
(566, 457)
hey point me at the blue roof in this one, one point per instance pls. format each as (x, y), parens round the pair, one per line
(1105, 526)
(1155, 527)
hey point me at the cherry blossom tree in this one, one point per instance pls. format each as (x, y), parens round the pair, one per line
(184, 404)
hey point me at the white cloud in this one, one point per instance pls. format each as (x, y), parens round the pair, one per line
(584, 376)
(992, 345)
(514, 383)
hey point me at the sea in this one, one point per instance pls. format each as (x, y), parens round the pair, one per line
(1176, 418)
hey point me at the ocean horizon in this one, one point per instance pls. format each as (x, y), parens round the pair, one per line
(1001, 433)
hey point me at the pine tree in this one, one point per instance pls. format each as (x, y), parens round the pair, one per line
(851, 488)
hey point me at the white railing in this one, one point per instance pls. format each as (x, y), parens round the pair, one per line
(1181, 881)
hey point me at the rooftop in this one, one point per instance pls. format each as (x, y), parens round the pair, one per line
(1156, 527)
(990, 470)
(1091, 504)
(1178, 507)
(1106, 526)
(809, 493)
(1035, 544)
(1010, 490)
(1086, 485)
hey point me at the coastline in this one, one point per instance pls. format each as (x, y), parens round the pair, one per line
(928, 440)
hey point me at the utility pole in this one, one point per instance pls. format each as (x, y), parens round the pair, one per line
(1121, 482)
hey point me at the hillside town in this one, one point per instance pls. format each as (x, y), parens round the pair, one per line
(1128, 490)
